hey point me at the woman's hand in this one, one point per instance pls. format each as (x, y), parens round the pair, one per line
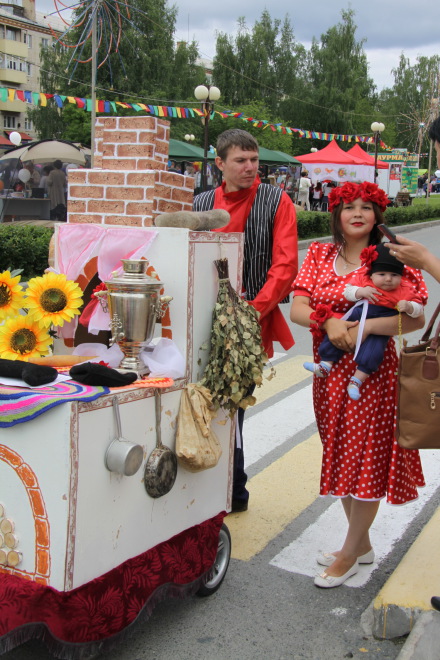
(415, 255)
(338, 333)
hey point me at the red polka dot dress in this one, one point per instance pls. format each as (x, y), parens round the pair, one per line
(360, 454)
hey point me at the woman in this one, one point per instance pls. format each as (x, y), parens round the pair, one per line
(362, 462)
(56, 183)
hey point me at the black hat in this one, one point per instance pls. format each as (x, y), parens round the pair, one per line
(385, 261)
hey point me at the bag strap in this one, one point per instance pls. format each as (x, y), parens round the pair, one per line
(430, 325)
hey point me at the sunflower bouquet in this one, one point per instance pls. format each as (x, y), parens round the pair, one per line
(27, 316)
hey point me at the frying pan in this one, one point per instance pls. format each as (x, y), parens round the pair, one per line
(161, 467)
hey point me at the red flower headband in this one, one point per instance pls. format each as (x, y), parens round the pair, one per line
(368, 255)
(369, 192)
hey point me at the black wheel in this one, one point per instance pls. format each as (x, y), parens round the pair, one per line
(218, 571)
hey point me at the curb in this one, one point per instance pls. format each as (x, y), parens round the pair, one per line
(424, 640)
(406, 595)
(400, 229)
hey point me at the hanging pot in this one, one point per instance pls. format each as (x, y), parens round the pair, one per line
(122, 456)
(161, 468)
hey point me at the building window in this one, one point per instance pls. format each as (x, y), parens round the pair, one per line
(11, 34)
(27, 39)
(8, 121)
(44, 43)
(27, 124)
(28, 68)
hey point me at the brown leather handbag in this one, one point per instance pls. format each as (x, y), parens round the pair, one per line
(418, 403)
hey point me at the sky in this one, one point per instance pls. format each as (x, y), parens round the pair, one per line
(389, 27)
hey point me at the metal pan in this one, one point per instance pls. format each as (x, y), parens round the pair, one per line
(161, 467)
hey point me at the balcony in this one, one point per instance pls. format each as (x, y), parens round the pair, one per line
(12, 76)
(14, 48)
(12, 106)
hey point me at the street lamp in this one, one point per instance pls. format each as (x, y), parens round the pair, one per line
(377, 128)
(206, 94)
(190, 138)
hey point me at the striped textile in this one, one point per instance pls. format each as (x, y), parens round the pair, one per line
(258, 235)
(22, 404)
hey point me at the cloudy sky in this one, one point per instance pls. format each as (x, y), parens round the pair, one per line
(388, 26)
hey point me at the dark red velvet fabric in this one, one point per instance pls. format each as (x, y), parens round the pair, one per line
(105, 606)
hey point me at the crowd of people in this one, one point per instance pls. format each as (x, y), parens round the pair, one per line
(43, 181)
(354, 393)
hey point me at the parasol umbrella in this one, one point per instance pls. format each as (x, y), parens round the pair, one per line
(46, 151)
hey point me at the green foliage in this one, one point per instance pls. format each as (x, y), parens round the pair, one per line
(312, 224)
(403, 215)
(25, 247)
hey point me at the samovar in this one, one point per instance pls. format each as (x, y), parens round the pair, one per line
(134, 304)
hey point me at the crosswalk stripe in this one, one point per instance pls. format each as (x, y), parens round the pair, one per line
(327, 532)
(271, 427)
(288, 373)
(278, 494)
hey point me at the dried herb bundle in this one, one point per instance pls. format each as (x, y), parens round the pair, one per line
(236, 357)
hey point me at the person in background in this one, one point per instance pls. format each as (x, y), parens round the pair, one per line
(47, 169)
(34, 181)
(303, 191)
(56, 184)
(266, 216)
(362, 462)
(317, 196)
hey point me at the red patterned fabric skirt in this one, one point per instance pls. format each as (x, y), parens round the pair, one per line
(101, 609)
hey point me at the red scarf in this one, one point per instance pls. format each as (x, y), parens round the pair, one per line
(237, 203)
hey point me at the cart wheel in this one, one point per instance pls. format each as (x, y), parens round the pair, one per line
(217, 573)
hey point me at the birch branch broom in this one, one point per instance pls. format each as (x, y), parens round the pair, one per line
(236, 355)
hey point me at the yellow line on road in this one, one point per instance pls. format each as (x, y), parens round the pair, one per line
(288, 373)
(416, 578)
(278, 494)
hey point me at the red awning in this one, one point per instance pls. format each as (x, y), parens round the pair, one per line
(24, 136)
(4, 141)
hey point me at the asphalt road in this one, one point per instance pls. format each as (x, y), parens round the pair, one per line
(268, 607)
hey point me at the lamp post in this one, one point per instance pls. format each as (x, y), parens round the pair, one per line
(207, 95)
(377, 128)
(189, 138)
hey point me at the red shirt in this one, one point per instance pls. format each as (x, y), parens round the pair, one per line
(284, 259)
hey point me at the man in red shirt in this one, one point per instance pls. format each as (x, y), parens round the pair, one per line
(267, 217)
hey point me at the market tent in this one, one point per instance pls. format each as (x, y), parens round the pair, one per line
(334, 164)
(331, 153)
(183, 151)
(368, 158)
(272, 157)
(47, 151)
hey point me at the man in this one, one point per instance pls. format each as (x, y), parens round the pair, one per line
(267, 217)
(303, 191)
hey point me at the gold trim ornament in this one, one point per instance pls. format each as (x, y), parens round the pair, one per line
(53, 299)
(22, 338)
(11, 294)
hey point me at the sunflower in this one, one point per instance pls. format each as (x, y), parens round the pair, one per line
(21, 338)
(53, 299)
(11, 295)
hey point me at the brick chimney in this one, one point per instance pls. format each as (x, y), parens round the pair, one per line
(129, 183)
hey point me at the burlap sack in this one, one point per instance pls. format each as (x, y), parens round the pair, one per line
(197, 446)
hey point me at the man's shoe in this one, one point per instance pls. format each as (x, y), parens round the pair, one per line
(435, 602)
(238, 506)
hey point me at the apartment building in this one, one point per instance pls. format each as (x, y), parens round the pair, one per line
(23, 32)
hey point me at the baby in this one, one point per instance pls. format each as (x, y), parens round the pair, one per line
(386, 292)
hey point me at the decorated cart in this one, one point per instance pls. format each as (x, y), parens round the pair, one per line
(87, 545)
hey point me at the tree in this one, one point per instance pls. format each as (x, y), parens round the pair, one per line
(410, 100)
(48, 121)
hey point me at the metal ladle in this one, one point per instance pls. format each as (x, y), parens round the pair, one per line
(122, 456)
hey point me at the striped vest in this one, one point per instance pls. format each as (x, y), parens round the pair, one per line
(258, 235)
